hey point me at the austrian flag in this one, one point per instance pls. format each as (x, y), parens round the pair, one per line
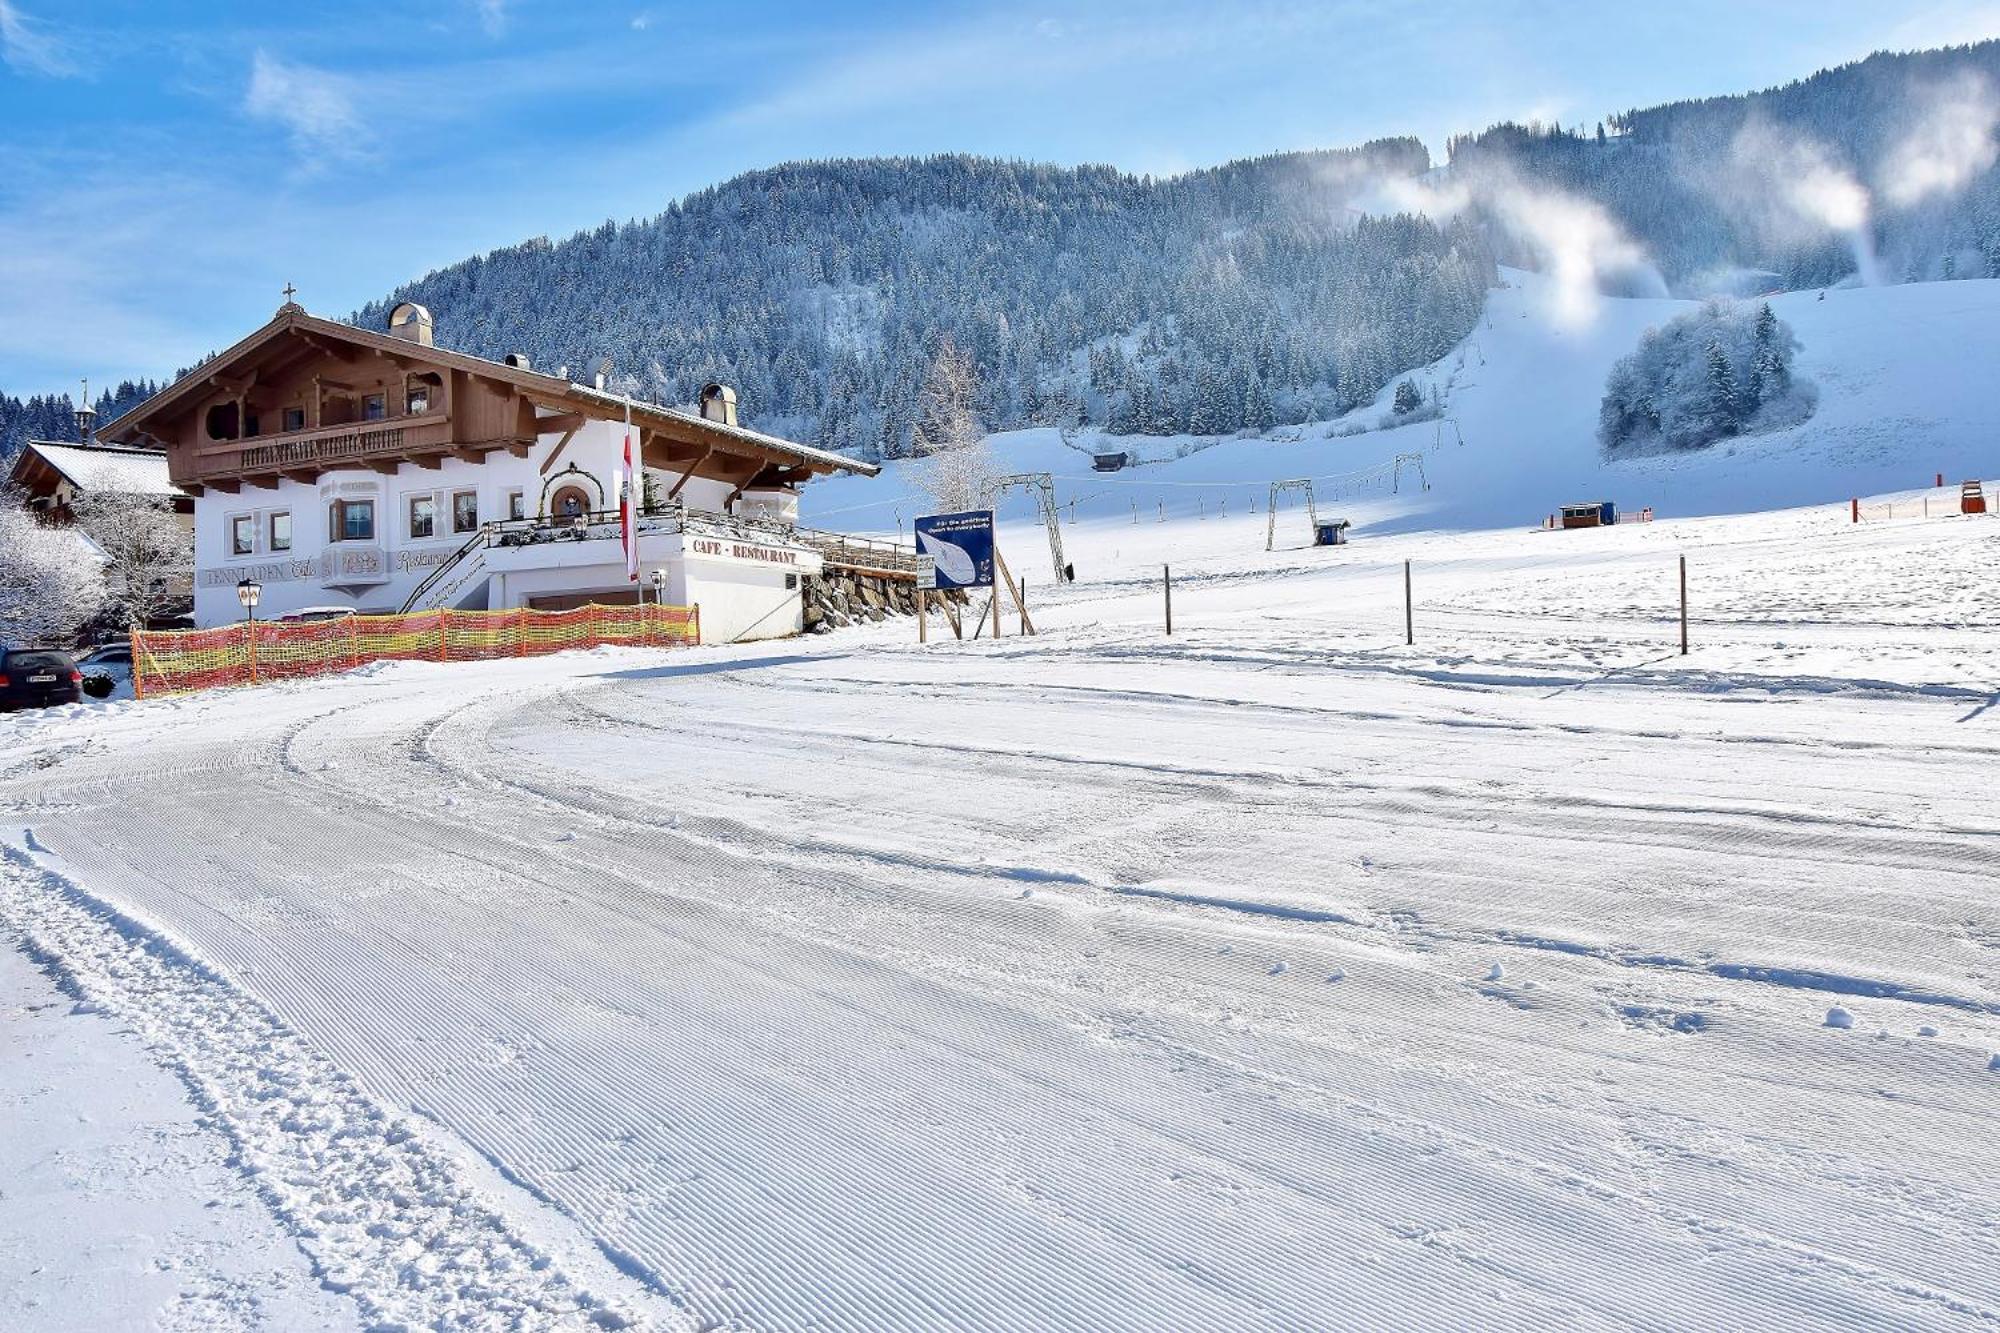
(627, 491)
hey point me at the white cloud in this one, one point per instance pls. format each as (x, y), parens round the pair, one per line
(315, 106)
(28, 48)
(642, 20)
(492, 16)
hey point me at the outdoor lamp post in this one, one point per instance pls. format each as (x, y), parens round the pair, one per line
(659, 589)
(248, 591)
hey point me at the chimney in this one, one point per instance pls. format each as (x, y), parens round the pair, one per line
(718, 403)
(412, 322)
(86, 418)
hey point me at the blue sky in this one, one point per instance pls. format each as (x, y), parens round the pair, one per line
(167, 166)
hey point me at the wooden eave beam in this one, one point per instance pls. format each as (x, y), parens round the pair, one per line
(386, 466)
(556, 452)
(699, 459)
(327, 346)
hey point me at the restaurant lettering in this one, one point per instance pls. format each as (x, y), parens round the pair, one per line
(771, 555)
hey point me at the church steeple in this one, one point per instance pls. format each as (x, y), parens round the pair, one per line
(86, 418)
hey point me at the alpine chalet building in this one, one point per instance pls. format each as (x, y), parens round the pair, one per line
(343, 467)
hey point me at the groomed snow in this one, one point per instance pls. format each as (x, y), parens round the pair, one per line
(1274, 975)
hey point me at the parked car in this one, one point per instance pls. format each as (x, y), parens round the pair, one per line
(108, 655)
(311, 613)
(38, 678)
(107, 669)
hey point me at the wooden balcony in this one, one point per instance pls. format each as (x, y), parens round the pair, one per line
(304, 453)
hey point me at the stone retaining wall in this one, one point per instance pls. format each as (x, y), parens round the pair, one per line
(842, 597)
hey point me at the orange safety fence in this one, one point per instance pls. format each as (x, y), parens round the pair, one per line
(254, 652)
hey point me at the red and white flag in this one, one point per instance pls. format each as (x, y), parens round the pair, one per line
(627, 497)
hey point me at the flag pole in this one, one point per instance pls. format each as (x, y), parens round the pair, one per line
(627, 516)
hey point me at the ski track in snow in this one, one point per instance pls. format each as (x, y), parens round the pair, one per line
(1267, 978)
(384, 1217)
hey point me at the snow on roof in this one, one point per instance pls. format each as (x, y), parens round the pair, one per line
(107, 470)
(805, 452)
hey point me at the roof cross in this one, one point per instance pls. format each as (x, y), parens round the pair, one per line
(290, 291)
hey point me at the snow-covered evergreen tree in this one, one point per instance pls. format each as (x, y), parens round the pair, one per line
(1714, 372)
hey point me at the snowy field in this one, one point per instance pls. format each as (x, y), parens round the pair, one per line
(1272, 976)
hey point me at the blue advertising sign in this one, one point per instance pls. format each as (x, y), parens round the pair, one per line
(960, 546)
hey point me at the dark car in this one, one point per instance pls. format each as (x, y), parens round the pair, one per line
(37, 678)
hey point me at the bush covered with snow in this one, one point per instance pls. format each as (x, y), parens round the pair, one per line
(1722, 370)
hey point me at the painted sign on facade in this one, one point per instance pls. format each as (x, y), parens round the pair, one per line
(961, 547)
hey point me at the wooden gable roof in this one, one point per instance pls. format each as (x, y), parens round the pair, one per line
(293, 340)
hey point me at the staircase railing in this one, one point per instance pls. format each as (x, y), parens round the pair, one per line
(478, 541)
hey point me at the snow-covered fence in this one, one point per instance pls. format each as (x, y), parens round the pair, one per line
(182, 661)
(1940, 501)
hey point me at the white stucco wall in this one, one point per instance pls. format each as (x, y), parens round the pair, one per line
(295, 579)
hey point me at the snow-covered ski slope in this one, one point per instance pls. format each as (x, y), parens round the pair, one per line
(1902, 397)
(1272, 976)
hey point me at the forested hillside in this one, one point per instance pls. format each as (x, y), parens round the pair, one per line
(1247, 295)
(1885, 166)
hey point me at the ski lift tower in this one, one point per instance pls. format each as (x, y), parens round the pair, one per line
(1279, 488)
(1043, 486)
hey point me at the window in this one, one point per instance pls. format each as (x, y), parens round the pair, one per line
(517, 505)
(423, 516)
(420, 400)
(374, 407)
(281, 531)
(464, 511)
(353, 521)
(242, 534)
(249, 424)
(295, 418)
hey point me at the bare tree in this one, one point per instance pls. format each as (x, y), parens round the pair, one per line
(956, 467)
(51, 580)
(151, 553)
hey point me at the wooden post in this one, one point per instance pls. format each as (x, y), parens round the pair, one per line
(1855, 508)
(1409, 608)
(138, 664)
(1167, 585)
(923, 618)
(1021, 600)
(996, 609)
(1684, 606)
(443, 656)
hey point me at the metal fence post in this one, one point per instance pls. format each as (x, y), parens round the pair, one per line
(1684, 606)
(1409, 608)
